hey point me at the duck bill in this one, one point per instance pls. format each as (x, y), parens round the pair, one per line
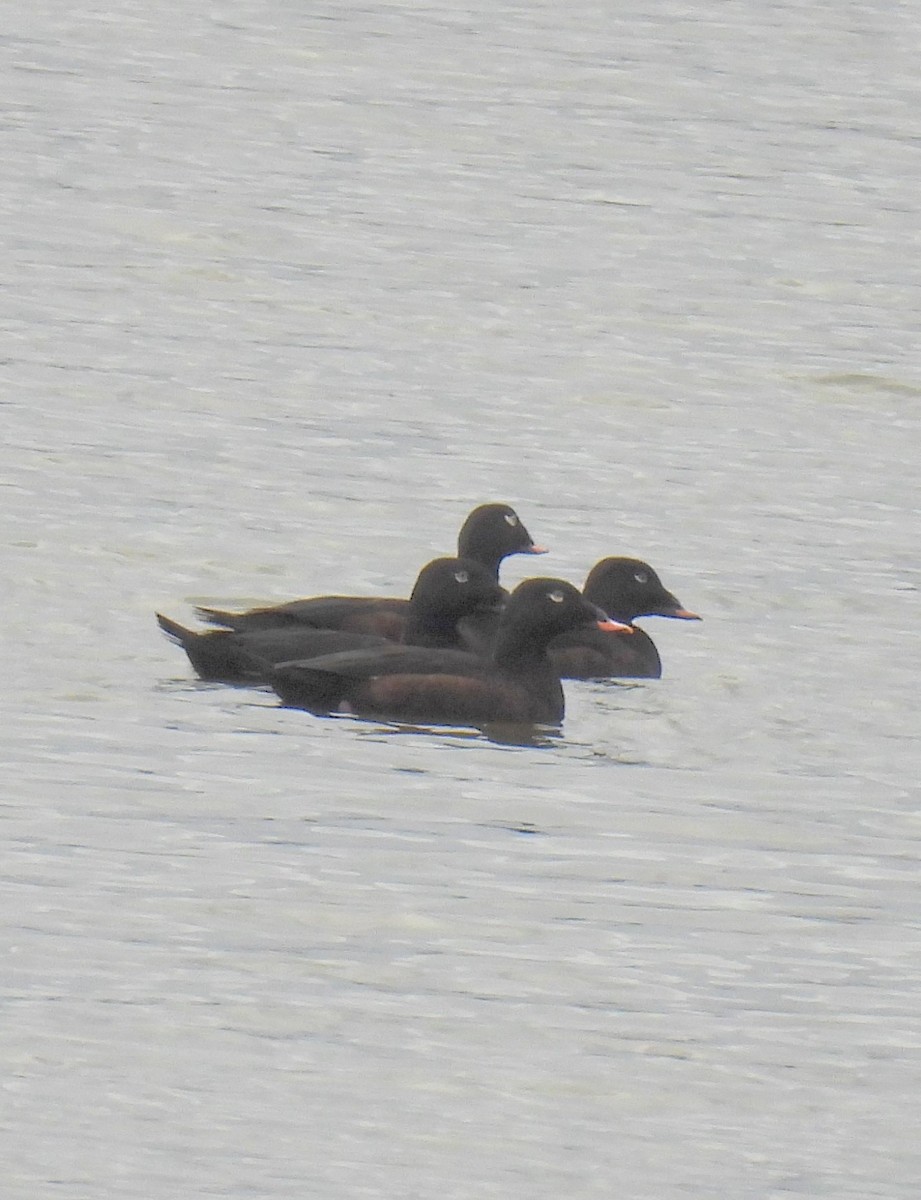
(535, 549)
(609, 626)
(683, 614)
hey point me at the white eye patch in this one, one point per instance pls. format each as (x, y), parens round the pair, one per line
(641, 577)
(511, 519)
(462, 576)
(557, 597)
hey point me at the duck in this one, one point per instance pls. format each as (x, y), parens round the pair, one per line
(446, 590)
(625, 588)
(516, 683)
(490, 533)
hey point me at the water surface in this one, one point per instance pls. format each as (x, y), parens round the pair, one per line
(288, 292)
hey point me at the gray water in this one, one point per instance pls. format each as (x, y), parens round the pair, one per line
(287, 290)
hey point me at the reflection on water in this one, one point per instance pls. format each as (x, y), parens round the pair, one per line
(501, 733)
(508, 733)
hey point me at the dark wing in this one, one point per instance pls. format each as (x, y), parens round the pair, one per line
(327, 684)
(298, 642)
(365, 614)
(391, 659)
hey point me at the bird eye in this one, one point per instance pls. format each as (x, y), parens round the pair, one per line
(511, 519)
(557, 596)
(462, 576)
(641, 577)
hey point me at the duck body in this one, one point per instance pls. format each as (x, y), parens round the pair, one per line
(427, 688)
(516, 684)
(446, 590)
(593, 654)
(228, 656)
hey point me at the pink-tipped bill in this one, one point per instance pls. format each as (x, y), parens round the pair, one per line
(610, 626)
